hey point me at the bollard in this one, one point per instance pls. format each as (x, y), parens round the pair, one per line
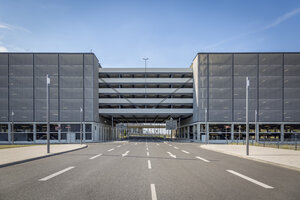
(278, 143)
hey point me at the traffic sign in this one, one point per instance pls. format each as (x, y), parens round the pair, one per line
(171, 124)
(121, 126)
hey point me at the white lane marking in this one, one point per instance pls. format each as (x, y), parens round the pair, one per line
(250, 179)
(153, 192)
(125, 154)
(185, 152)
(135, 143)
(202, 159)
(176, 148)
(111, 150)
(119, 146)
(170, 145)
(91, 158)
(147, 149)
(147, 153)
(170, 154)
(157, 144)
(56, 174)
(149, 164)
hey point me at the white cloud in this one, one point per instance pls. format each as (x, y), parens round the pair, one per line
(13, 27)
(283, 18)
(3, 49)
(4, 26)
(276, 22)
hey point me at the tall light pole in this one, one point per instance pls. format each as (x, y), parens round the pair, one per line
(81, 111)
(256, 135)
(48, 113)
(12, 127)
(247, 118)
(206, 130)
(145, 59)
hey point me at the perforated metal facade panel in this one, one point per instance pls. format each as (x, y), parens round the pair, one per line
(274, 86)
(23, 86)
(4, 87)
(291, 88)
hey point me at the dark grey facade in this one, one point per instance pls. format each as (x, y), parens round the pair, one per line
(74, 84)
(220, 87)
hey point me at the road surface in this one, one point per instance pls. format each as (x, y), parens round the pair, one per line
(141, 169)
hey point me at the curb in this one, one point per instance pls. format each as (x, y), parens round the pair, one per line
(255, 159)
(40, 157)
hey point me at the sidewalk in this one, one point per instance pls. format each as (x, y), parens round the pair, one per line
(281, 157)
(22, 154)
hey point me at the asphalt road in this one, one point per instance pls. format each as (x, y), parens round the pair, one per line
(147, 170)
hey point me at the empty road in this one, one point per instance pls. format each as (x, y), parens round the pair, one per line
(141, 169)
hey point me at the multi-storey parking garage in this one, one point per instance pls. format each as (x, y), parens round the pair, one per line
(206, 99)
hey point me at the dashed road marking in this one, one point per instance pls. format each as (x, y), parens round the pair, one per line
(147, 153)
(56, 174)
(96, 156)
(185, 152)
(110, 149)
(250, 179)
(149, 165)
(153, 192)
(176, 148)
(170, 145)
(119, 146)
(170, 154)
(198, 157)
(157, 144)
(125, 154)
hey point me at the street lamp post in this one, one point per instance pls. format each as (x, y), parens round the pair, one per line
(81, 111)
(247, 118)
(12, 127)
(145, 59)
(48, 113)
(206, 128)
(256, 133)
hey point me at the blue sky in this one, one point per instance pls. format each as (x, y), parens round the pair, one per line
(169, 32)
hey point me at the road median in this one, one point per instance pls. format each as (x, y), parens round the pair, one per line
(12, 156)
(280, 157)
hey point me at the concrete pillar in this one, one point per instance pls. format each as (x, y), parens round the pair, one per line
(34, 133)
(187, 132)
(181, 132)
(232, 132)
(83, 132)
(282, 133)
(198, 132)
(59, 133)
(194, 133)
(207, 132)
(257, 132)
(9, 132)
